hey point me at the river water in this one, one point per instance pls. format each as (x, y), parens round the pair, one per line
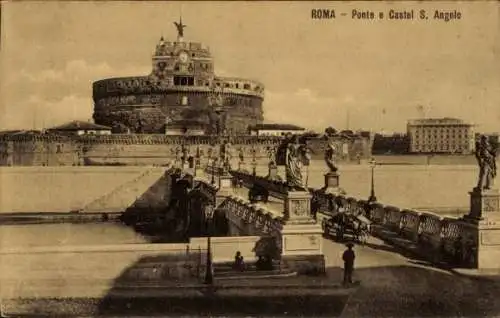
(408, 186)
(67, 234)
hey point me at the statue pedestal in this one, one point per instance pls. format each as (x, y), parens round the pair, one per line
(482, 228)
(272, 173)
(483, 203)
(198, 171)
(332, 184)
(241, 165)
(301, 235)
(225, 188)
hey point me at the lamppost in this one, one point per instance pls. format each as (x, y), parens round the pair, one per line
(209, 274)
(213, 170)
(197, 160)
(254, 161)
(372, 197)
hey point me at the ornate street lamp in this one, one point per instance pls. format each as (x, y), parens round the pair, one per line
(209, 274)
(213, 170)
(372, 197)
(197, 160)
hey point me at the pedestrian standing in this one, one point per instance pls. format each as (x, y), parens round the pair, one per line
(348, 258)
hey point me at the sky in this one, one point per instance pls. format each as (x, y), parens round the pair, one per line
(346, 73)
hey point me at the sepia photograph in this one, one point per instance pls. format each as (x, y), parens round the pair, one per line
(249, 158)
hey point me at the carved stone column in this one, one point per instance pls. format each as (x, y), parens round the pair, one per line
(301, 235)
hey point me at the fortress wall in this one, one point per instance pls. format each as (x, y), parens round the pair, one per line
(150, 149)
(39, 151)
(147, 85)
(151, 110)
(160, 150)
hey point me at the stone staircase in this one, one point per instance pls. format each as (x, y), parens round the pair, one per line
(123, 196)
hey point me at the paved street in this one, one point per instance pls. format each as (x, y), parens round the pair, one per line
(394, 285)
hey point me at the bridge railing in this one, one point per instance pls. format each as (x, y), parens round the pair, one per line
(264, 221)
(442, 237)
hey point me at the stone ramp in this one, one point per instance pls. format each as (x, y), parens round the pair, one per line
(123, 196)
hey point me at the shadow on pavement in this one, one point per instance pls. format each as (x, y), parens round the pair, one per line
(272, 299)
(170, 285)
(407, 291)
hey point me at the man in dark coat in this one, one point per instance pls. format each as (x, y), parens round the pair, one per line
(348, 258)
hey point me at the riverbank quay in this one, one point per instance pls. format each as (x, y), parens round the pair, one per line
(58, 217)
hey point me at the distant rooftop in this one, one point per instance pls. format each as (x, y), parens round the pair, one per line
(275, 127)
(437, 121)
(79, 125)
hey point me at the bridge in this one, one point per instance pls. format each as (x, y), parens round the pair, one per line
(416, 263)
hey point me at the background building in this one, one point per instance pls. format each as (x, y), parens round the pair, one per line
(275, 130)
(81, 128)
(440, 135)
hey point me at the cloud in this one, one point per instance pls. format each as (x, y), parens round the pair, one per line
(36, 112)
(78, 70)
(307, 108)
(52, 96)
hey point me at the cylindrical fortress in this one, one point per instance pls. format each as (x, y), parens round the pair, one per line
(182, 86)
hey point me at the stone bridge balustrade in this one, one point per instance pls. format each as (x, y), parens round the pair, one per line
(440, 236)
(393, 218)
(430, 230)
(251, 220)
(275, 188)
(410, 221)
(378, 213)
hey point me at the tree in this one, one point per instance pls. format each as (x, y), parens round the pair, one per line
(330, 131)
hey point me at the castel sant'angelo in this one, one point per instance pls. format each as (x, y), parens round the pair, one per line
(180, 109)
(182, 87)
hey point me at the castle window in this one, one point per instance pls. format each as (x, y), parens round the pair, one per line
(246, 86)
(226, 85)
(183, 81)
(193, 55)
(237, 85)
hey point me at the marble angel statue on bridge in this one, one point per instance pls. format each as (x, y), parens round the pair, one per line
(331, 156)
(294, 156)
(486, 159)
